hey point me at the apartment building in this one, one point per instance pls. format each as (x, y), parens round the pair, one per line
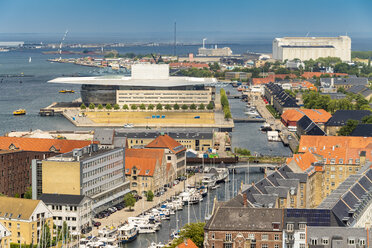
(175, 153)
(93, 171)
(24, 219)
(340, 118)
(75, 210)
(4, 236)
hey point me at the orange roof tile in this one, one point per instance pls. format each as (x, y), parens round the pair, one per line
(266, 80)
(316, 115)
(188, 244)
(145, 160)
(184, 64)
(308, 74)
(304, 161)
(283, 76)
(41, 145)
(165, 141)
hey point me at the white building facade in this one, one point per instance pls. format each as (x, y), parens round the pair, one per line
(305, 48)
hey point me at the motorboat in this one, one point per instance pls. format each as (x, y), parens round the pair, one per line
(209, 180)
(108, 235)
(19, 112)
(127, 233)
(128, 125)
(66, 91)
(156, 245)
(223, 174)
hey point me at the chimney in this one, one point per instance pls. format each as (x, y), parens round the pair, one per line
(245, 200)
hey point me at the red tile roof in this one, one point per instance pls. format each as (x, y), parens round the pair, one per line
(266, 80)
(165, 141)
(145, 160)
(187, 244)
(316, 115)
(283, 76)
(41, 145)
(304, 161)
(308, 74)
(184, 64)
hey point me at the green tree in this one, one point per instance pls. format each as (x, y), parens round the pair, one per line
(133, 106)
(116, 106)
(16, 195)
(367, 119)
(92, 106)
(82, 106)
(46, 237)
(151, 107)
(193, 106)
(176, 106)
(195, 232)
(100, 106)
(342, 90)
(201, 106)
(210, 106)
(142, 106)
(168, 107)
(125, 107)
(28, 193)
(184, 107)
(129, 201)
(108, 106)
(159, 106)
(348, 128)
(65, 231)
(149, 195)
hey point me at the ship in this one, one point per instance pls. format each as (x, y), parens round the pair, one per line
(19, 112)
(66, 91)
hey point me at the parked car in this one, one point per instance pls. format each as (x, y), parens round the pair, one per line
(97, 224)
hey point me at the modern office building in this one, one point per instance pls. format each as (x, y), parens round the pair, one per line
(91, 171)
(148, 84)
(305, 48)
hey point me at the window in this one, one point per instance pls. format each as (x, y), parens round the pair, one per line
(350, 161)
(332, 167)
(351, 241)
(212, 245)
(332, 184)
(212, 235)
(313, 241)
(276, 237)
(340, 161)
(302, 236)
(276, 226)
(264, 236)
(290, 227)
(362, 241)
(228, 237)
(332, 176)
(169, 158)
(264, 246)
(227, 245)
(276, 246)
(325, 241)
(357, 161)
(350, 169)
(302, 245)
(18, 226)
(333, 161)
(251, 236)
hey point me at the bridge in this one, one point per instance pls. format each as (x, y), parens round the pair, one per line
(245, 120)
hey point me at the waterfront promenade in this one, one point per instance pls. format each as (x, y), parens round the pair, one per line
(119, 217)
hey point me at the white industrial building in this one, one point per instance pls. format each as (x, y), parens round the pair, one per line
(305, 48)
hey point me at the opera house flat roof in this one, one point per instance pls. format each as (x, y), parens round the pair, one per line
(129, 81)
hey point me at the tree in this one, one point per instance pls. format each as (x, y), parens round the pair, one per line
(108, 106)
(184, 107)
(133, 106)
(348, 128)
(159, 106)
(367, 119)
(129, 201)
(149, 195)
(116, 106)
(210, 106)
(201, 106)
(151, 107)
(193, 106)
(176, 106)
(142, 106)
(82, 106)
(125, 106)
(168, 107)
(100, 106)
(46, 237)
(92, 106)
(16, 195)
(341, 90)
(195, 232)
(65, 232)
(28, 193)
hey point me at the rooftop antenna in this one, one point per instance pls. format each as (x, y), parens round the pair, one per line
(60, 45)
(175, 39)
(204, 42)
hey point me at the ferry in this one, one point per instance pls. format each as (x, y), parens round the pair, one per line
(66, 91)
(19, 112)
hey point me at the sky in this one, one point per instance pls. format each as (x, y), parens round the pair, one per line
(226, 17)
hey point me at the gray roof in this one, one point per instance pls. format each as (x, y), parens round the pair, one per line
(291, 183)
(104, 136)
(335, 96)
(362, 130)
(57, 199)
(346, 81)
(267, 200)
(340, 117)
(281, 191)
(243, 218)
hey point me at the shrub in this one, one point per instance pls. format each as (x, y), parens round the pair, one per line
(176, 106)
(125, 106)
(184, 107)
(92, 106)
(82, 106)
(100, 106)
(159, 106)
(133, 106)
(108, 106)
(210, 106)
(116, 106)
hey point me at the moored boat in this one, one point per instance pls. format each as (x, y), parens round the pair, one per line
(19, 112)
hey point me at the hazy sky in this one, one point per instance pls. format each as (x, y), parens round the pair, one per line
(122, 16)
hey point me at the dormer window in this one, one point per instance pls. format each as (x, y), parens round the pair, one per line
(350, 161)
(12, 147)
(340, 161)
(333, 161)
(357, 161)
(147, 172)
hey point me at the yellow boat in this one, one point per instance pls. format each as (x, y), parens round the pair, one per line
(66, 91)
(19, 112)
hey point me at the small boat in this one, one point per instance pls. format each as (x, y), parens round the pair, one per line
(29, 60)
(155, 245)
(19, 112)
(128, 125)
(216, 186)
(66, 91)
(127, 233)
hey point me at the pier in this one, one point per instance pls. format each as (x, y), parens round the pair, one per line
(247, 120)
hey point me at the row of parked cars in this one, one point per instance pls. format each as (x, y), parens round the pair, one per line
(108, 212)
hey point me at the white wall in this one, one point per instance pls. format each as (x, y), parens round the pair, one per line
(150, 71)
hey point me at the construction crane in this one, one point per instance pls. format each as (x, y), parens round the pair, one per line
(157, 59)
(60, 45)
